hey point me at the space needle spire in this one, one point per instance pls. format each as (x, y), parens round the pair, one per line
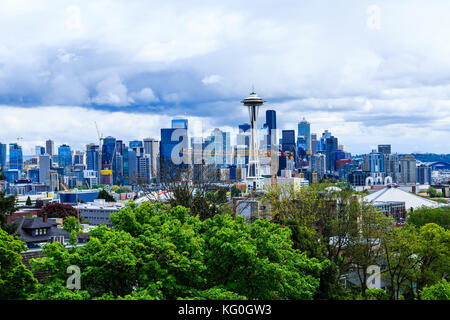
(253, 102)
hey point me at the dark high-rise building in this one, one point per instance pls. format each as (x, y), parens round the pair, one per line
(92, 157)
(50, 147)
(109, 144)
(331, 146)
(313, 143)
(271, 125)
(423, 174)
(2, 156)
(358, 177)
(173, 151)
(119, 146)
(391, 166)
(408, 169)
(302, 147)
(129, 166)
(384, 148)
(15, 157)
(288, 142)
(65, 157)
(322, 141)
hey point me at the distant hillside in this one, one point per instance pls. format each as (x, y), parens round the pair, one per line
(431, 157)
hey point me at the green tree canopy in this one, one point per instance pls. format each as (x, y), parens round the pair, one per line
(103, 194)
(155, 253)
(16, 281)
(7, 207)
(438, 291)
(422, 216)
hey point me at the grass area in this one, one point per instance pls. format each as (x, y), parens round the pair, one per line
(441, 200)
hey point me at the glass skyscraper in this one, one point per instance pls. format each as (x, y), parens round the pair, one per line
(65, 157)
(15, 156)
(331, 146)
(179, 124)
(92, 157)
(219, 143)
(167, 145)
(271, 125)
(304, 129)
(136, 144)
(288, 142)
(109, 144)
(2, 155)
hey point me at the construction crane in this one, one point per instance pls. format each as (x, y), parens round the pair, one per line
(64, 186)
(100, 145)
(274, 169)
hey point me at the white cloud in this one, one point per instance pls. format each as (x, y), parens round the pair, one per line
(323, 62)
(146, 95)
(212, 79)
(111, 91)
(75, 125)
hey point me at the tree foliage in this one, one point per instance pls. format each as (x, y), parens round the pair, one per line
(438, 291)
(422, 216)
(103, 194)
(7, 207)
(154, 253)
(58, 210)
(16, 281)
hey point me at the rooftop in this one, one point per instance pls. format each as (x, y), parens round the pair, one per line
(396, 194)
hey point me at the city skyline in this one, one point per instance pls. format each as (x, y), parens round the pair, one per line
(352, 70)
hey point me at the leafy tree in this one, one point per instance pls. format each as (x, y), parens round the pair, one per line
(7, 207)
(120, 189)
(103, 194)
(438, 291)
(373, 294)
(433, 254)
(377, 294)
(28, 202)
(363, 243)
(215, 293)
(235, 192)
(324, 220)
(16, 281)
(155, 253)
(432, 192)
(257, 261)
(422, 216)
(72, 225)
(58, 290)
(39, 203)
(399, 252)
(58, 210)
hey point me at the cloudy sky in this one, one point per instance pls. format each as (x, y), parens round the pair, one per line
(371, 72)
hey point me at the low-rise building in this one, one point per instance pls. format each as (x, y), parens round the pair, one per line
(37, 231)
(98, 212)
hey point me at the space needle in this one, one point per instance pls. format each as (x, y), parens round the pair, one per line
(253, 102)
